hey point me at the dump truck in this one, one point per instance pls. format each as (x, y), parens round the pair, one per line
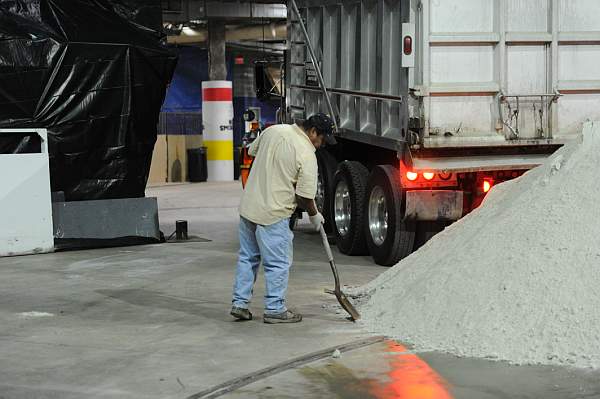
(436, 102)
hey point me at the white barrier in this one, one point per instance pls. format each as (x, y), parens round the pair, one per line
(217, 118)
(25, 200)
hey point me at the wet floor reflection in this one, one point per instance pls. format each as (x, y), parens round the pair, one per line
(341, 381)
(389, 371)
(407, 377)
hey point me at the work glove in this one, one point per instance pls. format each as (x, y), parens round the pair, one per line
(317, 221)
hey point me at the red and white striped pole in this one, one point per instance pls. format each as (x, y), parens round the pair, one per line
(217, 118)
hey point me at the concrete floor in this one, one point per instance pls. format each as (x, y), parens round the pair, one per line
(152, 322)
(388, 371)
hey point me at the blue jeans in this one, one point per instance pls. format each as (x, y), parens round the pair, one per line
(273, 245)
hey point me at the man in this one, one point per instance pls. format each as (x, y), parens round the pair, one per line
(283, 176)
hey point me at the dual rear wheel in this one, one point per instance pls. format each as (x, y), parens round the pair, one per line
(349, 188)
(389, 238)
(366, 211)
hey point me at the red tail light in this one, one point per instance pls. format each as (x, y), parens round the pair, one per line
(427, 179)
(428, 175)
(445, 176)
(487, 185)
(408, 45)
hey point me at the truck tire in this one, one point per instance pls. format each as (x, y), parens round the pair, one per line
(327, 167)
(347, 208)
(388, 237)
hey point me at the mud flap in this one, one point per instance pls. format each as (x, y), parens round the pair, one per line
(434, 205)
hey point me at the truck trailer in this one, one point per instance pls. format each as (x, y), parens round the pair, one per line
(436, 101)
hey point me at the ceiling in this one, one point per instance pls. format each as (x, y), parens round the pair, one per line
(251, 23)
(184, 11)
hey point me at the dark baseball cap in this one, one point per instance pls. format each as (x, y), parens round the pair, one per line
(324, 125)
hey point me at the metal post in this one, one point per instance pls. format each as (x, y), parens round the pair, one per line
(181, 229)
(313, 59)
(553, 111)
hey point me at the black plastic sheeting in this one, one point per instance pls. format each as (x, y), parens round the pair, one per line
(94, 73)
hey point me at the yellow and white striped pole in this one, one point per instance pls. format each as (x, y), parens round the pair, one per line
(217, 118)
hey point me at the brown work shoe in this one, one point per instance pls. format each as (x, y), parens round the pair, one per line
(286, 317)
(241, 313)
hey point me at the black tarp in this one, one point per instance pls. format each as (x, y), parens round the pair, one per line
(94, 73)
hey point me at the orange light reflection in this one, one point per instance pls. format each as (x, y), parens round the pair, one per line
(411, 378)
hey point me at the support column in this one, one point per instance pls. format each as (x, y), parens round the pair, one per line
(217, 107)
(217, 118)
(217, 67)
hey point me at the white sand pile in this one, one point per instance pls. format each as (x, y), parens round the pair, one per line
(516, 280)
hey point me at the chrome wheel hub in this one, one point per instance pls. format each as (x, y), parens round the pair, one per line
(378, 216)
(342, 208)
